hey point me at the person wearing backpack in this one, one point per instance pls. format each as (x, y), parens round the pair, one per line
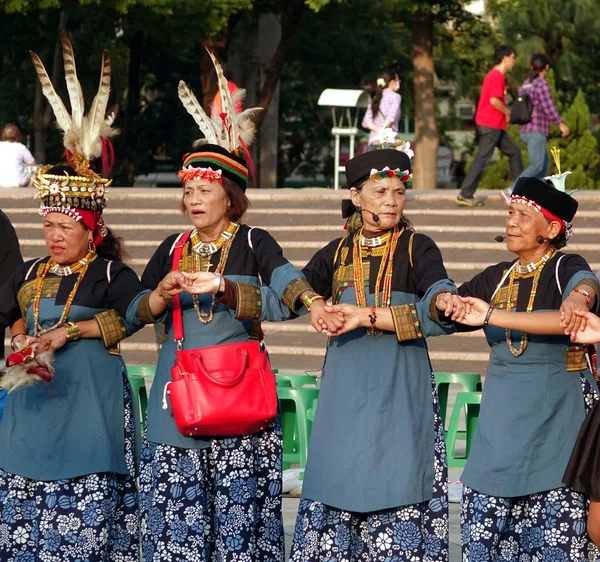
(535, 133)
(491, 118)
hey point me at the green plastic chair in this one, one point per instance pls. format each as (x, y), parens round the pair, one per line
(467, 403)
(294, 404)
(298, 381)
(469, 382)
(136, 374)
(310, 416)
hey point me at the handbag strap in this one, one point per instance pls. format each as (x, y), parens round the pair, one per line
(176, 302)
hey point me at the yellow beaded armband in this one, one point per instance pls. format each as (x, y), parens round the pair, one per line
(73, 331)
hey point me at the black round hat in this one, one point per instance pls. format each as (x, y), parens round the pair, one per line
(557, 202)
(358, 169)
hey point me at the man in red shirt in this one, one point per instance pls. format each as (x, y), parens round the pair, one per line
(491, 118)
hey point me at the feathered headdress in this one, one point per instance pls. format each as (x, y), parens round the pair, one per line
(228, 134)
(85, 138)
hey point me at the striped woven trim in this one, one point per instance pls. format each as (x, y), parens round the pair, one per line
(219, 160)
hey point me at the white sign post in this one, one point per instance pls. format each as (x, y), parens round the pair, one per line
(348, 102)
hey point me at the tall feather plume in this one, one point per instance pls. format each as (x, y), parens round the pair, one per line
(93, 127)
(229, 127)
(73, 85)
(193, 107)
(246, 124)
(58, 107)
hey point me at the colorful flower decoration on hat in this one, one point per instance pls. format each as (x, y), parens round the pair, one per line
(405, 176)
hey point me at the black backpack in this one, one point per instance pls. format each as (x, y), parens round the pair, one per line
(522, 109)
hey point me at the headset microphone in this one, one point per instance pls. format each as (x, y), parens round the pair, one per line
(500, 238)
(374, 215)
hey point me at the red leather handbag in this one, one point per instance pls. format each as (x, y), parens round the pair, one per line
(219, 391)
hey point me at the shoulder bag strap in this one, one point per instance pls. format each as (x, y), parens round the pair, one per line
(176, 302)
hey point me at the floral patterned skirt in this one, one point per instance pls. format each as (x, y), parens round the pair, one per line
(221, 504)
(548, 526)
(91, 518)
(401, 534)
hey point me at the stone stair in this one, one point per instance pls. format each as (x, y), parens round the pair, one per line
(303, 221)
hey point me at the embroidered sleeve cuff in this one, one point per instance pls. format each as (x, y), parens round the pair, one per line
(143, 311)
(406, 322)
(112, 327)
(229, 296)
(293, 291)
(249, 301)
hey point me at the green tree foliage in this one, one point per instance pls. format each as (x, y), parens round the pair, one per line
(567, 31)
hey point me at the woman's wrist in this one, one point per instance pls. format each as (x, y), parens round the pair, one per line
(13, 340)
(365, 316)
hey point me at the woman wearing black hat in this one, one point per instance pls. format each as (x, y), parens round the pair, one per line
(538, 387)
(375, 482)
(205, 497)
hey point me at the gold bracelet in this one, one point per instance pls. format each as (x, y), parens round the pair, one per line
(73, 331)
(308, 300)
(161, 293)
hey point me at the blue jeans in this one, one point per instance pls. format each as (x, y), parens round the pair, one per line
(538, 155)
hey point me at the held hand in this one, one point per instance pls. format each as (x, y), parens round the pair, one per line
(591, 332)
(354, 317)
(477, 310)
(22, 340)
(571, 322)
(322, 320)
(452, 306)
(200, 283)
(172, 283)
(53, 340)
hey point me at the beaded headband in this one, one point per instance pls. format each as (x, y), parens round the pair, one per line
(405, 176)
(71, 192)
(189, 173)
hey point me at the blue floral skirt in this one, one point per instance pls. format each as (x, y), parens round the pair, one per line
(401, 534)
(221, 504)
(91, 518)
(549, 527)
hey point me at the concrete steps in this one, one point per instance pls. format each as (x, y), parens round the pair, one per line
(303, 221)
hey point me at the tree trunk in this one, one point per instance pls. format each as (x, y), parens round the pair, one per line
(42, 112)
(291, 19)
(426, 133)
(136, 44)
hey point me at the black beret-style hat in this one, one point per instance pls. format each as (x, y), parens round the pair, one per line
(544, 194)
(358, 169)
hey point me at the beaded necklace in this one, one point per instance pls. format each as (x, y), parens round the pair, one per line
(519, 270)
(81, 267)
(66, 270)
(224, 242)
(384, 274)
(206, 249)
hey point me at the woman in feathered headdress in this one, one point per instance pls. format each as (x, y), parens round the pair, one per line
(225, 501)
(68, 436)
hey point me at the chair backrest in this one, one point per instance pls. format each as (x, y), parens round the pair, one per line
(141, 370)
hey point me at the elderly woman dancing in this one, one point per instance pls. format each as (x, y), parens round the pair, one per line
(375, 486)
(67, 446)
(516, 506)
(208, 496)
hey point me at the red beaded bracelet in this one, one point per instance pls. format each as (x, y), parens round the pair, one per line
(583, 292)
